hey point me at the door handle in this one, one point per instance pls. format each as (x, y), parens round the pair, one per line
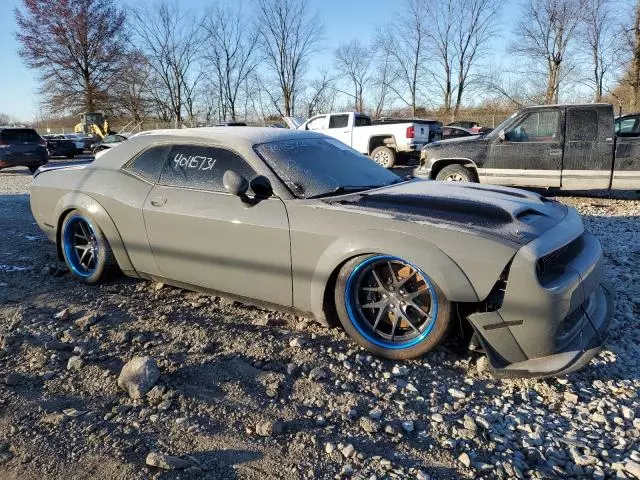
(158, 201)
(345, 131)
(555, 152)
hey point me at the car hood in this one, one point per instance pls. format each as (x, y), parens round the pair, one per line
(515, 215)
(456, 141)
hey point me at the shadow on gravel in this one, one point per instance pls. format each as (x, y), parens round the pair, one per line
(218, 465)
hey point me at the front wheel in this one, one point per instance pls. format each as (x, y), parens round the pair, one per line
(85, 248)
(384, 156)
(391, 307)
(455, 173)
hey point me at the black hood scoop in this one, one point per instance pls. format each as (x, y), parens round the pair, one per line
(512, 214)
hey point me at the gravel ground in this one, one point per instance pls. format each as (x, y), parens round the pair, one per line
(249, 393)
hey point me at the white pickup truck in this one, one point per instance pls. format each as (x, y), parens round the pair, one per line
(383, 140)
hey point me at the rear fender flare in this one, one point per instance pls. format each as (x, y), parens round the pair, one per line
(421, 253)
(91, 207)
(381, 141)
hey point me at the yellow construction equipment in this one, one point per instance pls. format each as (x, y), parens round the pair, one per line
(93, 123)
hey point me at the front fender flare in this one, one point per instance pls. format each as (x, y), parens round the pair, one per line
(433, 164)
(91, 207)
(425, 255)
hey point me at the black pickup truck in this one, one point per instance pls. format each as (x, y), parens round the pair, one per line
(573, 147)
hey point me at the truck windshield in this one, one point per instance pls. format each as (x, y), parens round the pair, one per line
(494, 133)
(314, 167)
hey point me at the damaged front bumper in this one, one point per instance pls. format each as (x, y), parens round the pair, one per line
(556, 307)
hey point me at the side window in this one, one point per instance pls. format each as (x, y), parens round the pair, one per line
(195, 166)
(149, 163)
(540, 126)
(318, 123)
(628, 127)
(108, 139)
(582, 125)
(338, 121)
(362, 121)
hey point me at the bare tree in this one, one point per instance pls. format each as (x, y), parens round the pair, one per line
(474, 27)
(406, 43)
(76, 46)
(131, 93)
(6, 119)
(632, 76)
(289, 35)
(321, 95)
(231, 51)
(598, 39)
(353, 60)
(383, 80)
(171, 41)
(545, 34)
(441, 35)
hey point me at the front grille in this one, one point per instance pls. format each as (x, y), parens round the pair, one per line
(552, 265)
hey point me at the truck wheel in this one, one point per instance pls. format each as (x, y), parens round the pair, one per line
(455, 173)
(384, 156)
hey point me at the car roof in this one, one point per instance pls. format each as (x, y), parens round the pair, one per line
(562, 105)
(241, 139)
(230, 135)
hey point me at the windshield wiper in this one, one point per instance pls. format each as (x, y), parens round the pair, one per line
(345, 189)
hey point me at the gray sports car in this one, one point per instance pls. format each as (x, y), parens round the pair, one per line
(301, 221)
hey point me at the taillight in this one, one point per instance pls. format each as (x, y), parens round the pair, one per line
(411, 132)
(3, 144)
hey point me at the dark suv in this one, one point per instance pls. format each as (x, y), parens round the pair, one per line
(22, 147)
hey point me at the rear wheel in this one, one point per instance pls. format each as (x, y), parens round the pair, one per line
(384, 156)
(391, 307)
(455, 173)
(85, 248)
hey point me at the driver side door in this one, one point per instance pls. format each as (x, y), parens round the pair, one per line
(201, 235)
(531, 152)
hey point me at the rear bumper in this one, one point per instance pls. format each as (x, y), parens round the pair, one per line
(10, 159)
(413, 147)
(549, 326)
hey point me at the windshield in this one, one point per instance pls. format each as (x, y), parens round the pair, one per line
(313, 167)
(499, 128)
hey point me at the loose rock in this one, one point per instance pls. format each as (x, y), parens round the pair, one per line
(138, 376)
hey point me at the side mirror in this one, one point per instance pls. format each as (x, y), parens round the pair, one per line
(502, 136)
(235, 184)
(261, 186)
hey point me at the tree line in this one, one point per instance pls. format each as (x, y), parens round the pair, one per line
(252, 59)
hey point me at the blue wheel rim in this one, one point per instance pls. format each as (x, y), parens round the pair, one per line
(80, 246)
(412, 307)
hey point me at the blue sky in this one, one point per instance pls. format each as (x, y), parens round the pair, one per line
(343, 20)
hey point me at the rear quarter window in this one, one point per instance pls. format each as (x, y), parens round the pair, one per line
(149, 163)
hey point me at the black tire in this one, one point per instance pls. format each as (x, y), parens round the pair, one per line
(436, 332)
(455, 173)
(105, 263)
(384, 156)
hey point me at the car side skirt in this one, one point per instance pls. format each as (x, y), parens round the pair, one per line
(246, 300)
